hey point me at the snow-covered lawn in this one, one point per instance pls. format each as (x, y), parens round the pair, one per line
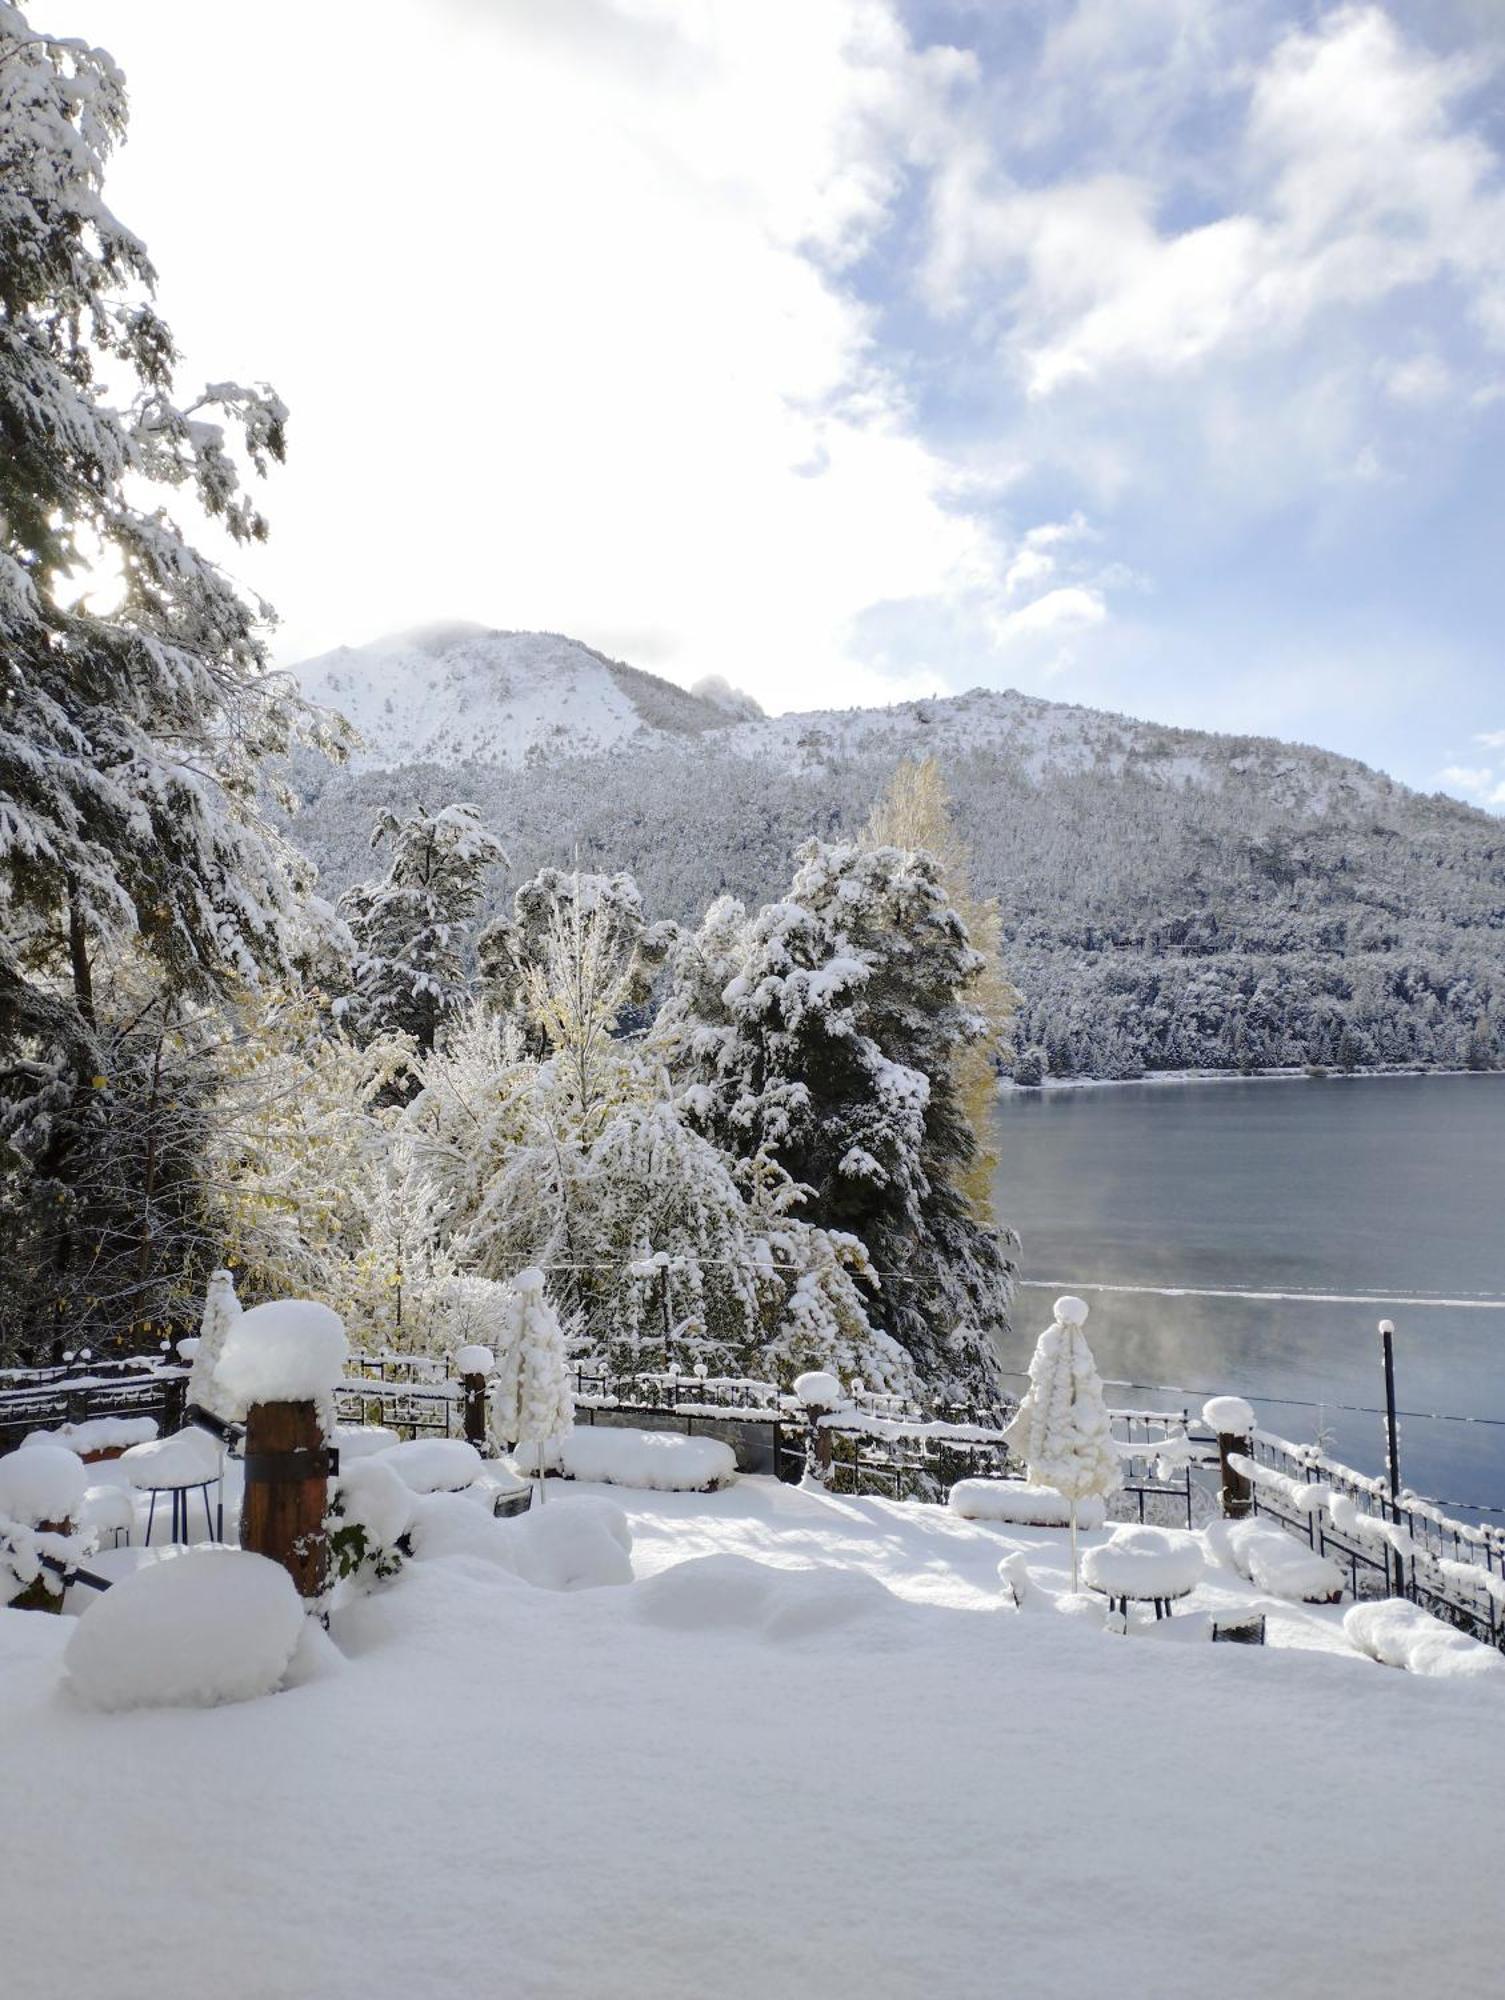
(830, 1758)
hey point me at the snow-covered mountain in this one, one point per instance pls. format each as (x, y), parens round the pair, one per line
(1170, 898)
(455, 694)
(459, 694)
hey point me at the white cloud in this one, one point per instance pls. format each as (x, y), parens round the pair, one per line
(1423, 379)
(573, 347)
(1354, 182)
(1492, 739)
(1475, 779)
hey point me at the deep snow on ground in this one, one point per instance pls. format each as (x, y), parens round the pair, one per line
(830, 1759)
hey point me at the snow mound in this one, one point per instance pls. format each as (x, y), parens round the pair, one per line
(1070, 1311)
(736, 1593)
(706, 1594)
(97, 1434)
(576, 1543)
(43, 1482)
(474, 1360)
(286, 1351)
(1021, 1505)
(106, 1510)
(432, 1465)
(1398, 1634)
(1229, 1416)
(1274, 1561)
(353, 1441)
(370, 1494)
(210, 1626)
(1145, 1562)
(656, 1461)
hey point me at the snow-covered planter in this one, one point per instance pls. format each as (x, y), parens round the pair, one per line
(655, 1461)
(370, 1512)
(1144, 1564)
(41, 1494)
(1274, 1561)
(196, 1629)
(1398, 1634)
(1022, 1505)
(41, 1482)
(97, 1437)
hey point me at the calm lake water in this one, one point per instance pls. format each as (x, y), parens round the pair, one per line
(1393, 1187)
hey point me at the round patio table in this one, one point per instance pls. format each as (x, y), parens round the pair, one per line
(185, 1463)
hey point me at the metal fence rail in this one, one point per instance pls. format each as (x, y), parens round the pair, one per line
(45, 1398)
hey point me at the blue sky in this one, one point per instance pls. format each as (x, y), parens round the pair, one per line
(1143, 353)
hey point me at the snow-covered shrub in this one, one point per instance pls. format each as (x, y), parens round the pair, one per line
(221, 1310)
(581, 1543)
(1029, 1069)
(370, 1512)
(200, 1627)
(41, 1482)
(532, 1396)
(432, 1465)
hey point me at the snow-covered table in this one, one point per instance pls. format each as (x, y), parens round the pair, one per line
(186, 1462)
(1144, 1566)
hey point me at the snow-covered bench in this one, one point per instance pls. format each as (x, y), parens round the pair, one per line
(1398, 1634)
(432, 1465)
(1274, 1561)
(1021, 1506)
(1144, 1566)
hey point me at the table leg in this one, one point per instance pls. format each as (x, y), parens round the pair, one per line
(151, 1515)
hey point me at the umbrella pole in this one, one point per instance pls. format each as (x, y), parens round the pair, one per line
(1074, 1585)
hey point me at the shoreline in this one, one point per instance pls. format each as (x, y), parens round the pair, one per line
(1298, 1074)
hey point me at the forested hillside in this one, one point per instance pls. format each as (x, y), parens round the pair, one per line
(1170, 899)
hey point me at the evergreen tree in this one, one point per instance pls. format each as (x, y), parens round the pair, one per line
(824, 1031)
(532, 1399)
(411, 928)
(130, 738)
(560, 912)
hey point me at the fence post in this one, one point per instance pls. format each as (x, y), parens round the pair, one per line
(475, 1410)
(1233, 1421)
(287, 1466)
(820, 1394)
(1392, 1443)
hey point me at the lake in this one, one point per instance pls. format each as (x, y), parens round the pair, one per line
(1391, 1187)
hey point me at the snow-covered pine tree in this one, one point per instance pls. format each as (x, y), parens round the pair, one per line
(411, 927)
(130, 737)
(824, 1030)
(915, 814)
(1062, 1430)
(221, 1311)
(532, 1398)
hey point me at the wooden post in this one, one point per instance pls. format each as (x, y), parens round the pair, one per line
(819, 1449)
(287, 1480)
(474, 1387)
(1237, 1494)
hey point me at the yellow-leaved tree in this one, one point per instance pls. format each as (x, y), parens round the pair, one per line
(915, 814)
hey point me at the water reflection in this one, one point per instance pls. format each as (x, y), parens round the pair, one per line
(1390, 1186)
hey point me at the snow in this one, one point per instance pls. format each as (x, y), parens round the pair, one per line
(1398, 1634)
(1141, 1563)
(206, 1626)
(373, 1495)
(285, 1351)
(818, 1390)
(657, 1461)
(1069, 1311)
(432, 1465)
(42, 1482)
(106, 1510)
(187, 1458)
(1229, 1416)
(478, 1771)
(582, 1544)
(354, 1441)
(1027, 1506)
(1275, 1561)
(474, 1360)
(98, 1434)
